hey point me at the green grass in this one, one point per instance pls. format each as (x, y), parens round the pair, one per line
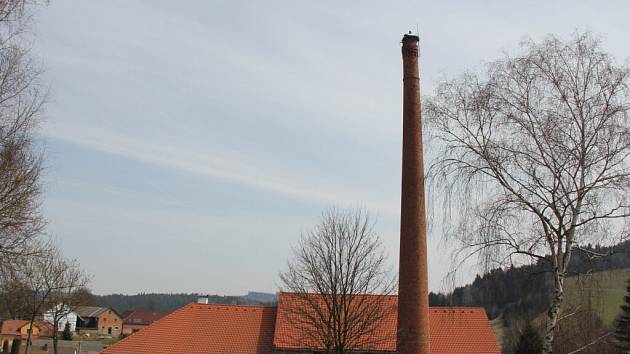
(109, 341)
(605, 290)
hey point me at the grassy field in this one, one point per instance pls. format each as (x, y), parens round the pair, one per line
(605, 290)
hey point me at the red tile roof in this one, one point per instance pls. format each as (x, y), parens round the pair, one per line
(45, 328)
(201, 328)
(12, 327)
(142, 317)
(293, 333)
(223, 329)
(461, 330)
(452, 330)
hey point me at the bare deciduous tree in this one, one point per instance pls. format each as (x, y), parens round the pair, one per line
(333, 265)
(48, 280)
(21, 98)
(70, 292)
(535, 153)
(12, 293)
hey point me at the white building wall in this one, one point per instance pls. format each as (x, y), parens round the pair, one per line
(70, 317)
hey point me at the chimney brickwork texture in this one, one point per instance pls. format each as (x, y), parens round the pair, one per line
(413, 289)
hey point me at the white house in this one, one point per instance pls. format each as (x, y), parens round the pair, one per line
(70, 317)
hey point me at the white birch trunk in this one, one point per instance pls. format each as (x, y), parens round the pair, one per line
(553, 314)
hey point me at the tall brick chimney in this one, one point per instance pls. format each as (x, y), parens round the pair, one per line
(413, 288)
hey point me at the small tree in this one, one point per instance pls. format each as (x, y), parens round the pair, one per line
(70, 293)
(529, 342)
(338, 260)
(67, 333)
(38, 274)
(622, 324)
(51, 280)
(15, 346)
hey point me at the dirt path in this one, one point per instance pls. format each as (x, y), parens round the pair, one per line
(66, 347)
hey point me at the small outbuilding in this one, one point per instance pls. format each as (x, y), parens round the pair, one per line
(19, 329)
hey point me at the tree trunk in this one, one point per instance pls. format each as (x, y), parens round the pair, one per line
(55, 335)
(553, 314)
(28, 337)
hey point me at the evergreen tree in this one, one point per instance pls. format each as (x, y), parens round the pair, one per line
(67, 333)
(15, 347)
(622, 324)
(530, 342)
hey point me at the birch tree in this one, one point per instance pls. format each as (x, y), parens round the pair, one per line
(531, 156)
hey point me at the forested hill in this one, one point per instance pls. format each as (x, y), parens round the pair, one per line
(517, 292)
(170, 302)
(522, 292)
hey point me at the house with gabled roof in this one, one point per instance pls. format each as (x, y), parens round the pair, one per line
(19, 329)
(226, 329)
(134, 321)
(100, 321)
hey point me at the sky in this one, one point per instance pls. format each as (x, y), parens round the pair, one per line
(190, 144)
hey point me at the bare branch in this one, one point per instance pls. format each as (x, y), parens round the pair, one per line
(336, 277)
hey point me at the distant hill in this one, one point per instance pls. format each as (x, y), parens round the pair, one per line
(262, 297)
(169, 302)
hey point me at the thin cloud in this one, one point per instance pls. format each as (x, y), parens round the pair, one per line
(229, 168)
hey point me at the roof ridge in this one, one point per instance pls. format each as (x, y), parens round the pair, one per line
(358, 294)
(231, 305)
(457, 308)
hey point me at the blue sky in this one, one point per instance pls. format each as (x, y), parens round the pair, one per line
(190, 144)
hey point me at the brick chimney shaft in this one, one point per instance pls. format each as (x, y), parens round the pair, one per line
(413, 289)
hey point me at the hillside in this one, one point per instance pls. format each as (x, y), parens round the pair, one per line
(521, 293)
(605, 290)
(514, 296)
